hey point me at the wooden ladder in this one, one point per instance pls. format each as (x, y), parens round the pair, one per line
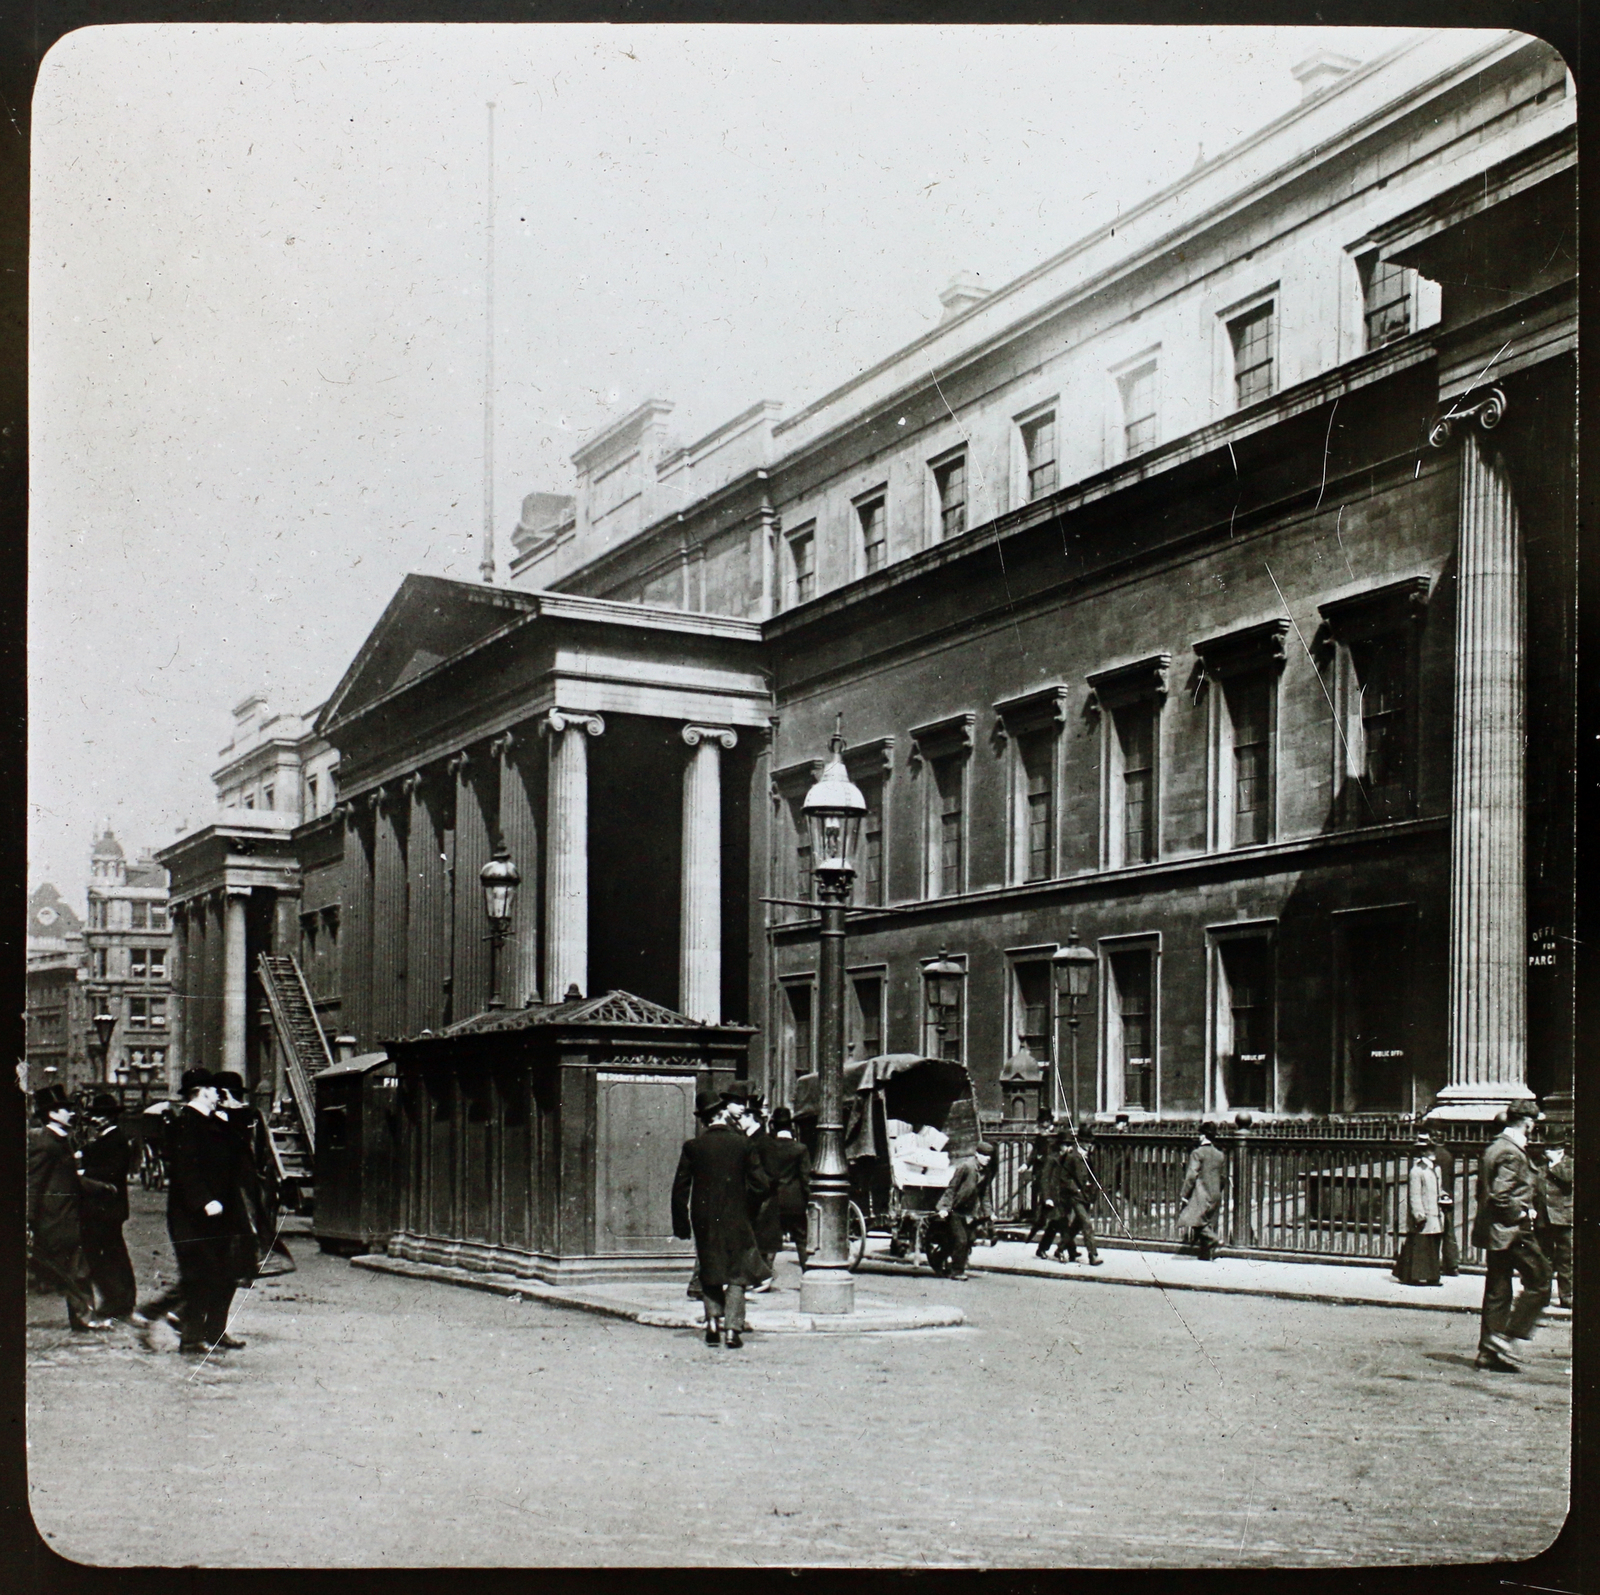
(299, 1034)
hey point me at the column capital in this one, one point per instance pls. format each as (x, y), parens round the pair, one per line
(555, 721)
(1488, 410)
(233, 890)
(726, 736)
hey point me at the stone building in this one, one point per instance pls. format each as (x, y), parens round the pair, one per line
(128, 946)
(58, 1049)
(237, 890)
(1193, 595)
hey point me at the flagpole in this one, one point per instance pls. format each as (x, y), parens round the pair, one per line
(486, 564)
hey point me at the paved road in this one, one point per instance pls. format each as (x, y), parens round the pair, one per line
(377, 1421)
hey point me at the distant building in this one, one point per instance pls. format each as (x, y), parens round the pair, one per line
(128, 941)
(58, 1050)
(239, 890)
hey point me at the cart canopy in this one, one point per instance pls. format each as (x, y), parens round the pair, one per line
(908, 1086)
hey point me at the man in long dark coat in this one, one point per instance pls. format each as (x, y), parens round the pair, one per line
(719, 1173)
(1201, 1196)
(1070, 1190)
(1450, 1244)
(1503, 1227)
(206, 1216)
(55, 1208)
(788, 1167)
(259, 1174)
(1553, 1226)
(107, 1157)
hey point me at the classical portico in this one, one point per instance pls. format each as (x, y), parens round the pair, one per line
(593, 740)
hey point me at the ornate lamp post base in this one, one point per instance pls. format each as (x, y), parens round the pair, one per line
(828, 1288)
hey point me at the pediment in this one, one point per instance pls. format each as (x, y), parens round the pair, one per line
(429, 620)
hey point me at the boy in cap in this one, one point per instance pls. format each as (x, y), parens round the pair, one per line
(1504, 1230)
(55, 1207)
(959, 1203)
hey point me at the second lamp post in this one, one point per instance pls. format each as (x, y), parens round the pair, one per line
(834, 809)
(1074, 968)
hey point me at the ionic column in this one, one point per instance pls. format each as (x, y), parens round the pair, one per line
(519, 830)
(392, 810)
(566, 934)
(235, 979)
(700, 924)
(1488, 907)
(179, 1002)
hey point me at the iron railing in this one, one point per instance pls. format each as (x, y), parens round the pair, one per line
(1333, 1190)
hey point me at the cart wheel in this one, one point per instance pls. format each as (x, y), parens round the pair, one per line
(856, 1236)
(940, 1253)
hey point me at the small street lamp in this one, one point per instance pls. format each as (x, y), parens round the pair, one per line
(834, 809)
(500, 878)
(1074, 969)
(942, 979)
(104, 1024)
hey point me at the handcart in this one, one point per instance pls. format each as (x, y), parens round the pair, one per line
(908, 1120)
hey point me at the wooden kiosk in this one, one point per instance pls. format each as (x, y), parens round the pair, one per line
(542, 1142)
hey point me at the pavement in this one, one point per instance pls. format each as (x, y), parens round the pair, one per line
(662, 1304)
(375, 1420)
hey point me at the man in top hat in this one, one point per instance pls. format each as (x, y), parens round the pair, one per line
(1073, 1194)
(107, 1157)
(1553, 1203)
(1504, 1229)
(719, 1173)
(206, 1215)
(1201, 1196)
(259, 1173)
(55, 1207)
(788, 1166)
(959, 1203)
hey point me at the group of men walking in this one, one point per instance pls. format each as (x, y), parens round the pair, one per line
(221, 1209)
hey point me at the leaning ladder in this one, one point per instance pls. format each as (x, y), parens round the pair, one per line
(299, 1034)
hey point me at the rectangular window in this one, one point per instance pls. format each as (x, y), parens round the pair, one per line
(797, 1028)
(250, 802)
(874, 522)
(98, 963)
(1033, 1004)
(1135, 731)
(1246, 1022)
(865, 1016)
(1387, 290)
(138, 964)
(1039, 454)
(950, 482)
(944, 1029)
(1254, 336)
(1036, 754)
(266, 797)
(1138, 410)
(803, 566)
(1375, 1011)
(158, 917)
(311, 797)
(1380, 670)
(141, 916)
(872, 882)
(946, 835)
(1249, 700)
(138, 1013)
(1131, 1026)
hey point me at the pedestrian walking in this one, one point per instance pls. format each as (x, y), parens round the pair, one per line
(259, 1174)
(55, 1208)
(1201, 1196)
(1450, 1240)
(1040, 1207)
(1075, 1198)
(788, 1166)
(719, 1173)
(1553, 1203)
(107, 1159)
(1418, 1263)
(959, 1203)
(206, 1216)
(1503, 1228)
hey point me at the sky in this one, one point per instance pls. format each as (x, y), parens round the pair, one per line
(257, 303)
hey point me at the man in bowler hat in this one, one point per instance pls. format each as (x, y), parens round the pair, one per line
(107, 1157)
(56, 1189)
(1503, 1228)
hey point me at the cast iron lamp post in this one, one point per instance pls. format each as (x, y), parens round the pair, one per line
(942, 979)
(104, 1024)
(500, 878)
(1074, 968)
(834, 809)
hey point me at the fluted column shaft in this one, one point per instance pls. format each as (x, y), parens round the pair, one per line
(389, 915)
(700, 922)
(1488, 908)
(519, 830)
(355, 927)
(427, 901)
(476, 820)
(235, 980)
(177, 1016)
(566, 936)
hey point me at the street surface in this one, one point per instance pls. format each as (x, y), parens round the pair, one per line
(380, 1421)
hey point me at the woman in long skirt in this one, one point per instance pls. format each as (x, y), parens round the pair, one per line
(1419, 1257)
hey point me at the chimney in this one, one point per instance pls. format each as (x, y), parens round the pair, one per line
(962, 293)
(1320, 70)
